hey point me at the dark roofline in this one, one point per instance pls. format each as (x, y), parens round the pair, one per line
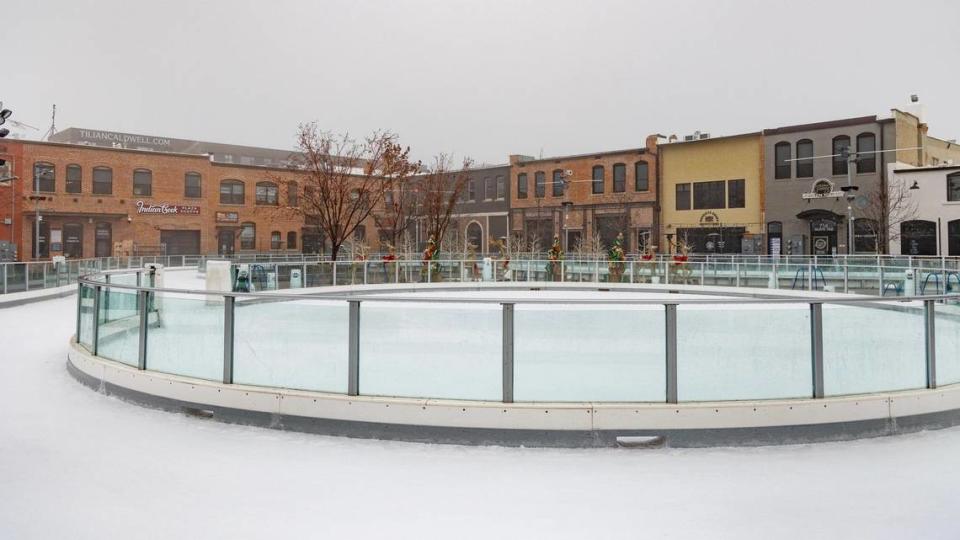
(708, 139)
(583, 156)
(193, 142)
(872, 119)
(930, 168)
(111, 149)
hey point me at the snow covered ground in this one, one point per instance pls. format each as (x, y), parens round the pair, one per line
(77, 464)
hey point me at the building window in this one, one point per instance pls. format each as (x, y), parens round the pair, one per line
(865, 236)
(841, 145)
(522, 186)
(708, 195)
(102, 181)
(683, 196)
(292, 240)
(471, 190)
(191, 185)
(804, 150)
(539, 184)
(248, 236)
(866, 153)
(293, 194)
(953, 187)
(231, 192)
(501, 188)
(45, 178)
(597, 179)
(73, 240)
(642, 174)
(142, 182)
(781, 155)
(74, 179)
(736, 194)
(267, 193)
(619, 178)
(276, 240)
(489, 189)
(558, 183)
(360, 233)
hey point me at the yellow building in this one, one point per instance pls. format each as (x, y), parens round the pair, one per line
(712, 194)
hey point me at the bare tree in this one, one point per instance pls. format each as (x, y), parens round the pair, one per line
(590, 248)
(398, 215)
(345, 180)
(884, 210)
(439, 190)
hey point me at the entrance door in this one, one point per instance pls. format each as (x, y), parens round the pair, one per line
(225, 242)
(823, 236)
(42, 249)
(181, 242)
(104, 240)
(73, 240)
(918, 237)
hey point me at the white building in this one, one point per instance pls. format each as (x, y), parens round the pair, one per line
(927, 221)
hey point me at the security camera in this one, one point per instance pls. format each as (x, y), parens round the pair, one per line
(568, 172)
(914, 98)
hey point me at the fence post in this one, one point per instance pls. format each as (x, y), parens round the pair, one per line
(507, 353)
(846, 277)
(816, 347)
(353, 349)
(96, 318)
(334, 273)
(365, 261)
(671, 351)
(228, 334)
(143, 297)
(930, 332)
(79, 301)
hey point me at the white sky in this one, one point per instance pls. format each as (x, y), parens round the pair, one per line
(484, 79)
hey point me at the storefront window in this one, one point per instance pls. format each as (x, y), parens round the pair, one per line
(865, 236)
(248, 236)
(276, 240)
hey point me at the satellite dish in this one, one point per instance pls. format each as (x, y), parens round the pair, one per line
(860, 202)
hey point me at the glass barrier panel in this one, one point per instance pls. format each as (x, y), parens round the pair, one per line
(35, 275)
(715, 361)
(185, 335)
(118, 337)
(431, 350)
(947, 325)
(86, 317)
(299, 344)
(872, 349)
(587, 353)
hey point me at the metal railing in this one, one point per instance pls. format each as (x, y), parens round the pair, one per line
(813, 357)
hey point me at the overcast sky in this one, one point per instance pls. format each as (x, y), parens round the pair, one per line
(479, 78)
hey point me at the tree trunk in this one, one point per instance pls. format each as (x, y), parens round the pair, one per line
(334, 250)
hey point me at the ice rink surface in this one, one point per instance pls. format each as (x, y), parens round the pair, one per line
(78, 464)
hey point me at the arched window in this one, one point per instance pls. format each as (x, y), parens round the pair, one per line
(142, 182)
(475, 235)
(804, 150)
(267, 194)
(522, 186)
(102, 184)
(192, 188)
(292, 240)
(45, 177)
(248, 236)
(866, 153)
(642, 176)
(539, 184)
(73, 240)
(557, 183)
(231, 192)
(619, 178)
(781, 155)
(74, 179)
(293, 192)
(597, 183)
(841, 144)
(276, 240)
(865, 234)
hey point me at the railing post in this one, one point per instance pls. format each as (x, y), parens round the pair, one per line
(703, 272)
(353, 349)
(26, 277)
(737, 268)
(334, 263)
(929, 330)
(396, 270)
(810, 274)
(79, 301)
(143, 296)
(365, 271)
(96, 317)
(846, 277)
(671, 351)
(816, 347)
(507, 353)
(228, 335)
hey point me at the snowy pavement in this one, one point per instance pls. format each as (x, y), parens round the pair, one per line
(78, 464)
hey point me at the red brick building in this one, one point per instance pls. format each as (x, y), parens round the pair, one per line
(101, 201)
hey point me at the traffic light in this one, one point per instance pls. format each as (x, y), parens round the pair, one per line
(4, 114)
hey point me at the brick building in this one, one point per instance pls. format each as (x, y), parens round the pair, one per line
(100, 201)
(578, 196)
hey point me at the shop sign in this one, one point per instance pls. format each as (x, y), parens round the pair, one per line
(823, 189)
(228, 217)
(164, 209)
(709, 219)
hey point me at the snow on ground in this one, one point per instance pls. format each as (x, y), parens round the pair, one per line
(78, 464)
